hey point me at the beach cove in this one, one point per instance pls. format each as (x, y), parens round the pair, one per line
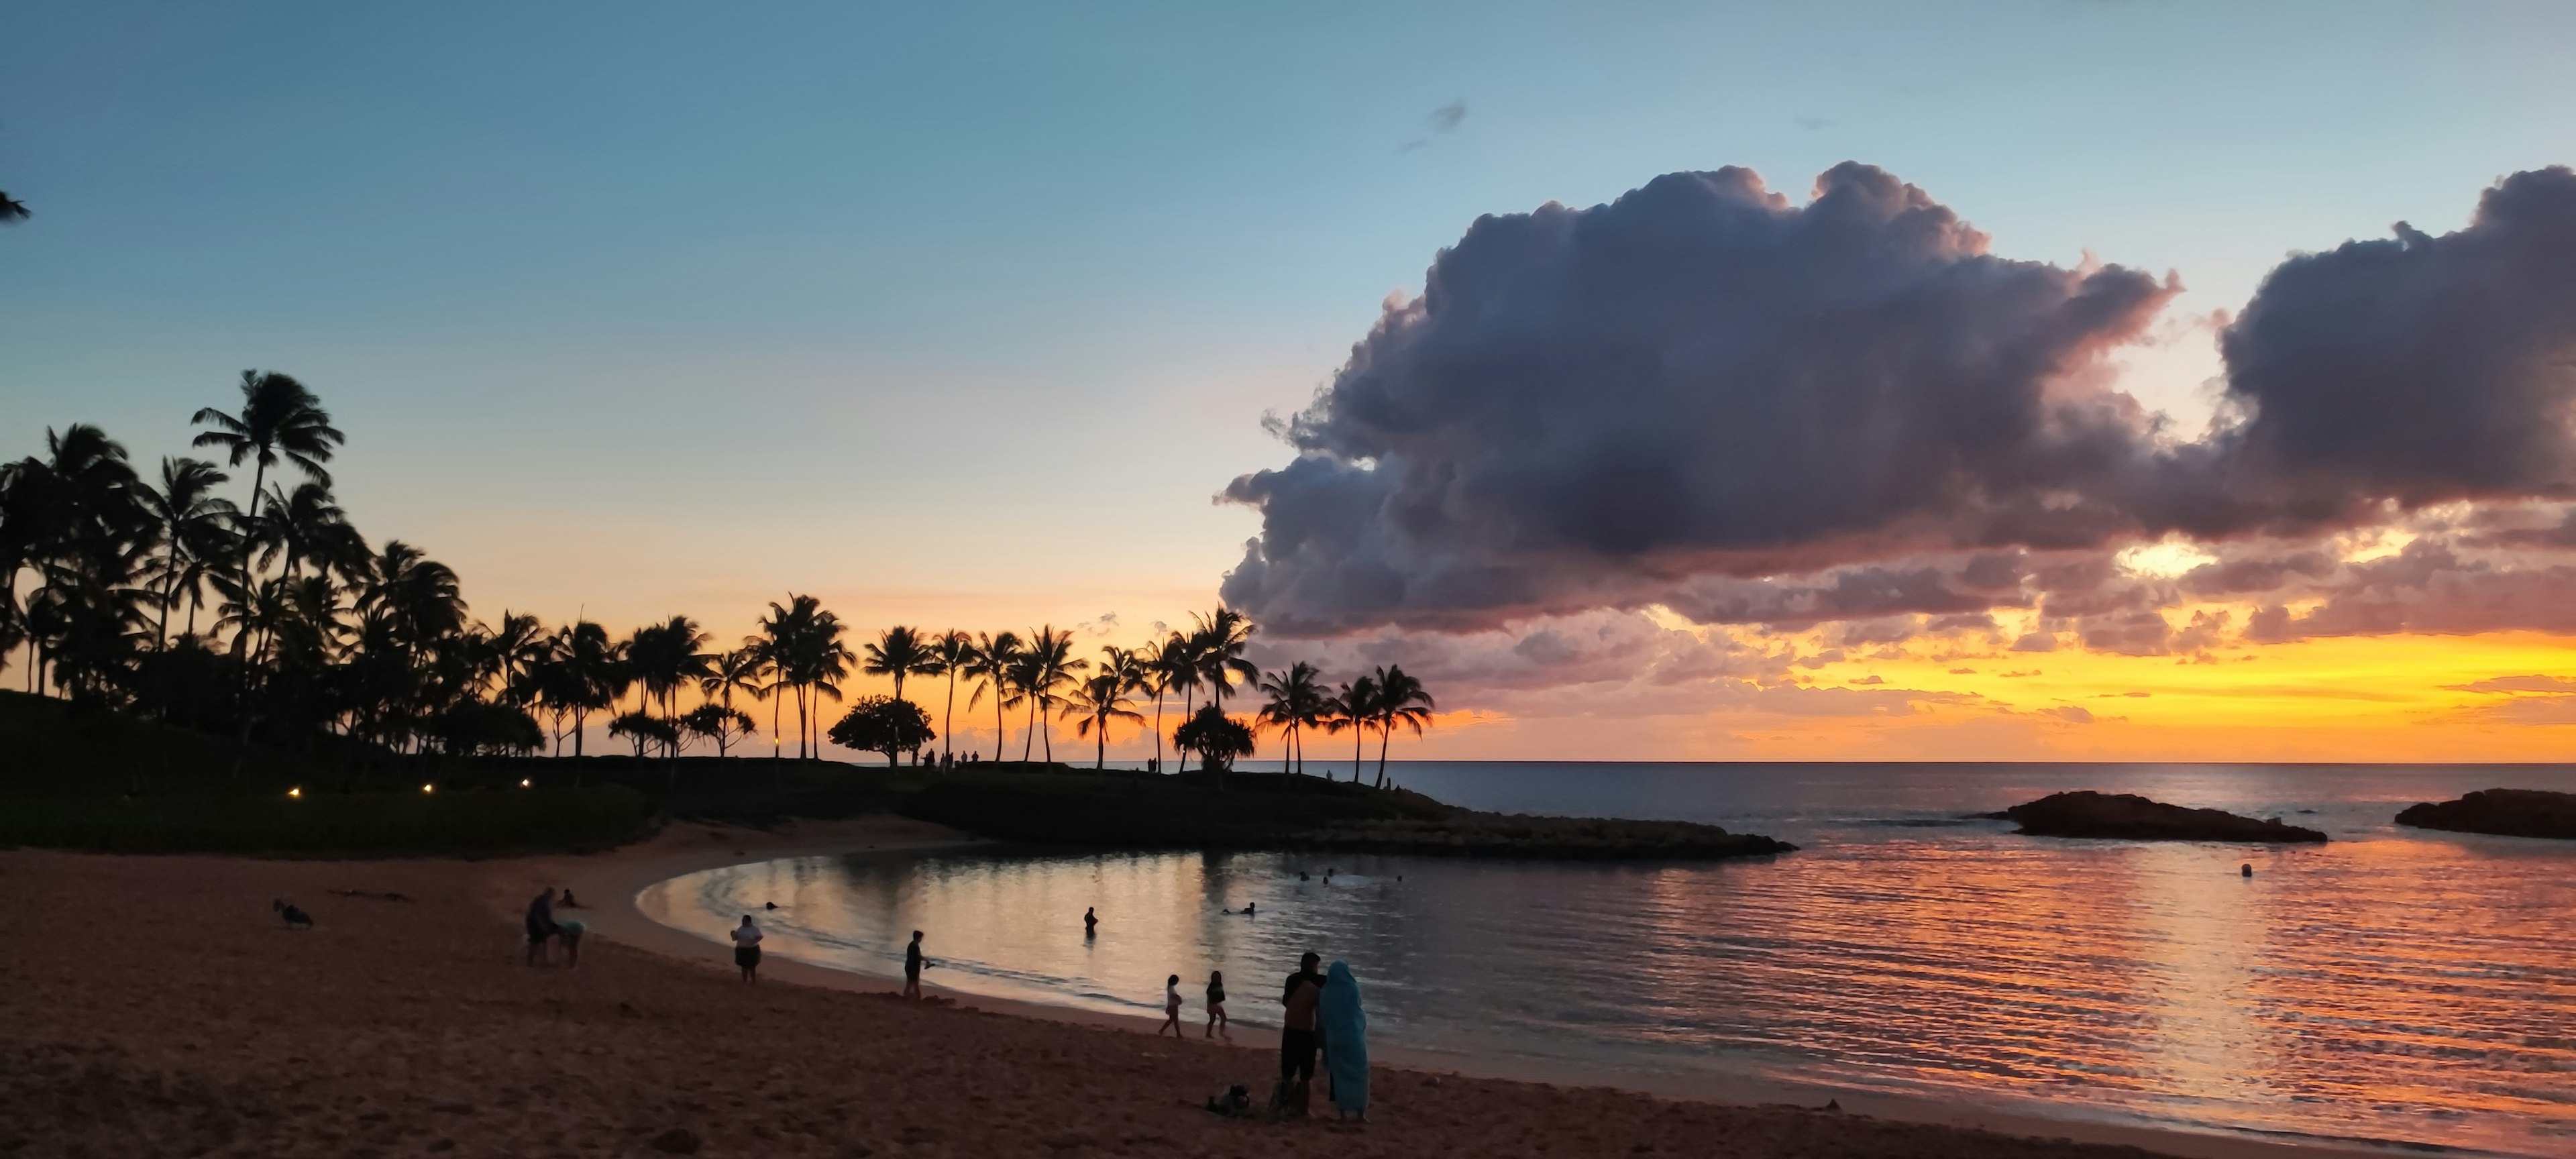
(177, 1017)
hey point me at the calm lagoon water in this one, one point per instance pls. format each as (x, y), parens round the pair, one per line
(2393, 985)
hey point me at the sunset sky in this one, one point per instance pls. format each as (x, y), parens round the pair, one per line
(1957, 420)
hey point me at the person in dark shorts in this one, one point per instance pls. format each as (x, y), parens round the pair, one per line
(541, 925)
(1216, 1006)
(912, 964)
(746, 949)
(1297, 1027)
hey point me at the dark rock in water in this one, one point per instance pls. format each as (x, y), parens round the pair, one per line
(2131, 817)
(2506, 812)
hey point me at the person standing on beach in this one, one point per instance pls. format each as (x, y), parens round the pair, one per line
(1217, 1020)
(1345, 1030)
(746, 949)
(912, 964)
(541, 925)
(1171, 1007)
(1297, 1026)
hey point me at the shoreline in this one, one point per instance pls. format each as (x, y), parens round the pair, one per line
(622, 875)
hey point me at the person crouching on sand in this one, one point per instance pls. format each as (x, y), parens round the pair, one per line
(569, 931)
(1171, 1007)
(912, 964)
(1217, 1022)
(746, 949)
(541, 925)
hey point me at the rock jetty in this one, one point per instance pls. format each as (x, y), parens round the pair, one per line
(2128, 816)
(2505, 812)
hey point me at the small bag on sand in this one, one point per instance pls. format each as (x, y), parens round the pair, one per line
(1234, 1102)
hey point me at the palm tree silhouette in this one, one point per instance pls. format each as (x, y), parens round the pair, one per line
(899, 652)
(194, 527)
(593, 673)
(992, 662)
(665, 658)
(1161, 661)
(1354, 708)
(11, 209)
(1296, 701)
(731, 672)
(1048, 665)
(1401, 701)
(279, 418)
(1218, 643)
(950, 652)
(1094, 704)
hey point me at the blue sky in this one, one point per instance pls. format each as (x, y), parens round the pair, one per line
(960, 313)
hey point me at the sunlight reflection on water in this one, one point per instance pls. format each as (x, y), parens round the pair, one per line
(2391, 985)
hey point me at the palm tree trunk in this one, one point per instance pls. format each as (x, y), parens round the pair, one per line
(1100, 755)
(948, 720)
(1360, 735)
(1001, 731)
(1158, 728)
(1385, 732)
(1029, 738)
(777, 745)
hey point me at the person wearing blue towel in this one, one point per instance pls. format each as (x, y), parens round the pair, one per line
(1345, 1033)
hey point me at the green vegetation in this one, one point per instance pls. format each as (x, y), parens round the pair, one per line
(451, 823)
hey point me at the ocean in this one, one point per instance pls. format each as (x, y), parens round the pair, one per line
(2394, 985)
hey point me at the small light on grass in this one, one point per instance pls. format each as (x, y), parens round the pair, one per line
(523, 783)
(297, 791)
(429, 788)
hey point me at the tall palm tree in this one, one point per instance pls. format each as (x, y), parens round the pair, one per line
(665, 657)
(515, 649)
(817, 661)
(1353, 708)
(1048, 665)
(594, 673)
(193, 525)
(1296, 700)
(1094, 704)
(307, 526)
(732, 672)
(1178, 659)
(1401, 702)
(780, 634)
(899, 652)
(279, 418)
(1159, 661)
(994, 659)
(950, 652)
(1219, 642)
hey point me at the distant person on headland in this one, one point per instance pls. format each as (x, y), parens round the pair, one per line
(912, 964)
(1090, 921)
(571, 930)
(1171, 1007)
(1344, 1027)
(1297, 1028)
(746, 949)
(1217, 1021)
(541, 925)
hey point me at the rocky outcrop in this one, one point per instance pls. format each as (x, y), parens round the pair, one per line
(2505, 812)
(2130, 817)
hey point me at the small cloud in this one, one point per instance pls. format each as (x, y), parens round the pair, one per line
(1445, 118)
(1963, 672)
(2036, 642)
(1872, 678)
(2516, 684)
(1106, 624)
(1813, 123)
(2021, 672)
(2117, 695)
(2069, 713)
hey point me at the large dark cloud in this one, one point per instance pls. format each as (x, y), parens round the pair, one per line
(1586, 405)
(1684, 396)
(2417, 369)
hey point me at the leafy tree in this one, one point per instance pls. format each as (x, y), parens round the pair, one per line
(718, 723)
(883, 724)
(1217, 738)
(194, 527)
(475, 727)
(644, 729)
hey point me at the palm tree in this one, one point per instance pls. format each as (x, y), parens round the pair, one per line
(1160, 660)
(780, 635)
(1094, 704)
(731, 672)
(949, 656)
(307, 525)
(1219, 642)
(193, 525)
(1296, 701)
(665, 657)
(817, 660)
(899, 652)
(279, 417)
(517, 647)
(1401, 700)
(1049, 664)
(1353, 708)
(1178, 660)
(594, 676)
(11, 209)
(994, 658)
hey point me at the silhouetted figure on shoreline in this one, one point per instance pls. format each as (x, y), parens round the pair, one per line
(1217, 1021)
(746, 949)
(541, 925)
(1090, 922)
(912, 966)
(1171, 1007)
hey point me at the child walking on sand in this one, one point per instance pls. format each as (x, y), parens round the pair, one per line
(746, 949)
(1171, 1007)
(1217, 1022)
(912, 964)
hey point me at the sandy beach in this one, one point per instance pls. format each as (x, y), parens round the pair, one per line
(155, 1006)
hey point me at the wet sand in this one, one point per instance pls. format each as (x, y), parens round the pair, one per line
(155, 1006)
